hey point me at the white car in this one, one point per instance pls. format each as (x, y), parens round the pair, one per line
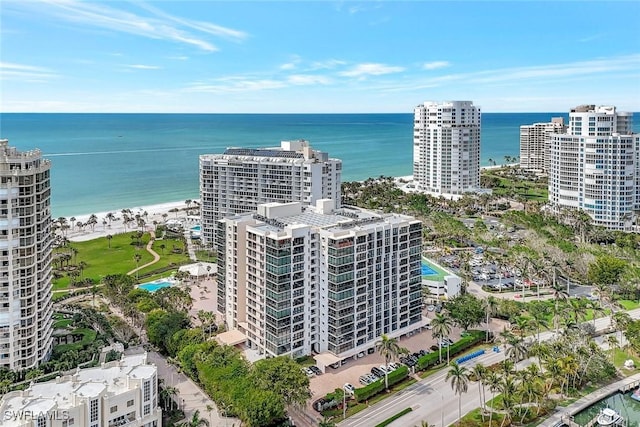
(393, 366)
(349, 388)
(384, 369)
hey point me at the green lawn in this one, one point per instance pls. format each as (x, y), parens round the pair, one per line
(620, 356)
(628, 304)
(103, 259)
(88, 336)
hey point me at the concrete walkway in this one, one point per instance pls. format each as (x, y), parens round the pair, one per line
(584, 402)
(190, 249)
(153, 253)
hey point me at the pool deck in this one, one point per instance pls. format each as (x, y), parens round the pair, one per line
(441, 272)
(565, 415)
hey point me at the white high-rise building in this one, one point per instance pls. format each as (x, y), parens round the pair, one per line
(119, 393)
(240, 179)
(535, 141)
(25, 251)
(593, 167)
(296, 280)
(446, 148)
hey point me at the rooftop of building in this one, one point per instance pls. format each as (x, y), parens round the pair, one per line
(58, 394)
(275, 217)
(291, 150)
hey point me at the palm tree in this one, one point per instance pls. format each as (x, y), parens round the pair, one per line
(441, 327)
(387, 348)
(613, 344)
(479, 371)
(517, 349)
(195, 420)
(493, 381)
(459, 377)
(166, 394)
(109, 237)
(137, 257)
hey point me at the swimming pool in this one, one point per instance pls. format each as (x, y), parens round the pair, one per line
(427, 271)
(157, 284)
(195, 228)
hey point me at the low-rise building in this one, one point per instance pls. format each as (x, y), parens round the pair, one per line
(119, 393)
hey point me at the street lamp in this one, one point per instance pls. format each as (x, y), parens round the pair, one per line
(442, 410)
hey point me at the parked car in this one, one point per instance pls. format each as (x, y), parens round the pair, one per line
(349, 388)
(377, 372)
(384, 369)
(315, 370)
(393, 366)
(434, 347)
(364, 380)
(308, 371)
(372, 378)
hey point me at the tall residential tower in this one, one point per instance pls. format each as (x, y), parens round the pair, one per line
(593, 166)
(25, 251)
(293, 280)
(535, 141)
(240, 179)
(446, 148)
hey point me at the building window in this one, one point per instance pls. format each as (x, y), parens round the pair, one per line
(147, 391)
(114, 409)
(129, 403)
(93, 411)
(42, 422)
(147, 410)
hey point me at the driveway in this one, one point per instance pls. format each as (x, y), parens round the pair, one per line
(353, 369)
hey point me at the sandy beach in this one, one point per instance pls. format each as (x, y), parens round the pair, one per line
(154, 214)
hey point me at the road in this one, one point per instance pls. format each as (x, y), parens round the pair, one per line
(433, 400)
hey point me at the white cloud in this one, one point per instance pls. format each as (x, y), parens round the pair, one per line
(328, 64)
(292, 64)
(371, 69)
(435, 65)
(233, 84)
(29, 73)
(143, 67)
(306, 79)
(178, 57)
(159, 25)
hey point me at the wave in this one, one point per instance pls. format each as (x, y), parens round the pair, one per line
(143, 150)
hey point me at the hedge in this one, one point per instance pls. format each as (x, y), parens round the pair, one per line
(469, 340)
(377, 386)
(393, 418)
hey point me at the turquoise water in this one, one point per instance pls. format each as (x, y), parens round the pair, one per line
(155, 285)
(427, 271)
(622, 403)
(195, 228)
(107, 162)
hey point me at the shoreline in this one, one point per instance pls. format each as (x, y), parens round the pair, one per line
(158, 213)
(155, 214)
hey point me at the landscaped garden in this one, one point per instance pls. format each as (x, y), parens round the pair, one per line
(83, 264)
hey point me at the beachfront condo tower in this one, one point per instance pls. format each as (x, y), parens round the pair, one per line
(446, 148)
(25, 251)
(593, 166)
(535, 141)
(296, 280)
(240, 179)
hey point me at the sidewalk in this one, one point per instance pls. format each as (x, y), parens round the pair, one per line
(568, 412)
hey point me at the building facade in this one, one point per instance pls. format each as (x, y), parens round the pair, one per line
(240, 179)
(118, 393)
(593, 166)
(535, 141)
(25, 251)
(446, 148)
(296, 280)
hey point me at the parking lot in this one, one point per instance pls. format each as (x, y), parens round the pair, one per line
(353, 369)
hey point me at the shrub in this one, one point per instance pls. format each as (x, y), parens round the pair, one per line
(376, 387)
(430, 359)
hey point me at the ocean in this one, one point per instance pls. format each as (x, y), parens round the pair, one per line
(107, 162)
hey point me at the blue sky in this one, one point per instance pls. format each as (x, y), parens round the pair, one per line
(316, 57)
